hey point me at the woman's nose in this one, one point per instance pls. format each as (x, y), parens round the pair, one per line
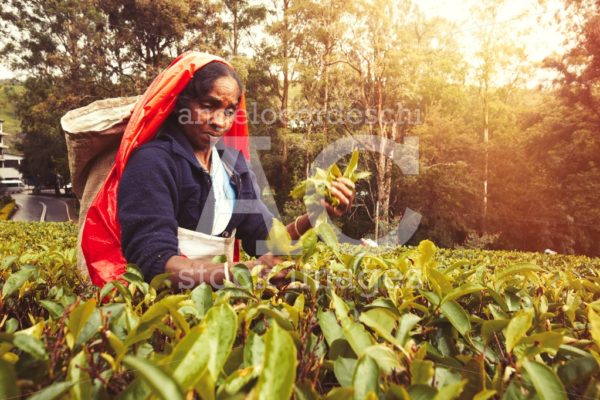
(218, 119)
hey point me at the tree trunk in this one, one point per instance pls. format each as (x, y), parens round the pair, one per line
(235, 33)
(486, 156)
(326, 98)
(285, 89)
(308, 153)
(389, 165)
(326, 76)
(383, 192)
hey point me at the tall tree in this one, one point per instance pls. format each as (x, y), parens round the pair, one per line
(285, 30)
(58, 44)
(176, 26)
(381, 53)
(498, 54)
(242, 17)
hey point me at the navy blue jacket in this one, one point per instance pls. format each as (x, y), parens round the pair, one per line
(163, 186)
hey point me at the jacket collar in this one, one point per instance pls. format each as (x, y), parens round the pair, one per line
(231, 158)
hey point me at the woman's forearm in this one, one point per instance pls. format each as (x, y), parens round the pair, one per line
(187, 273)
(299, 226)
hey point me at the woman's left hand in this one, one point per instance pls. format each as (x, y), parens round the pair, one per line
(344, 190)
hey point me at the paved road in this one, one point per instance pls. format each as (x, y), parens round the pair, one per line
(41, 208)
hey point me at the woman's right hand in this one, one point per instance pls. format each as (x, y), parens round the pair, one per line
(269, 261)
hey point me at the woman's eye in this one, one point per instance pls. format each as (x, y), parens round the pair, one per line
(229, 112)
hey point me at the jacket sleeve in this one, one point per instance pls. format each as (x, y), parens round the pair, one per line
(147, 207)
(257, 223)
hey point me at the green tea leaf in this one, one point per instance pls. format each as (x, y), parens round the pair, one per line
(365, 378)
(407, 323)
(340, 393)
(309, 243)
(517, 269)
(54, 391)
(352, 165)
(236, 381)
(485, 395)
(421, 372)
(163, 385)
(55, 309)
(594, 319)
(335, 170)
(159, 280)
(8, 262)
(280, 241)
(282, 319)
(517, 328)
(343, 368)
(386, 358)
(254, 351)
(31, 345)
(8, 381)
(243, 277)
(457, 316)
(16, 280)
(138, 389)
(117, 345)
(489, 327)
(82, 384)
(202, 298)
(79, 317)
(278, 374)
(235, 293)
(161, 308)
(329, 326)
(547, 385)
(577, 370)
(205, 347)
(461, 291)
(421, 392)
(354, 332)
(382, 322)
(450, 392)
(327, 234)
(90, 328)
(543, 342)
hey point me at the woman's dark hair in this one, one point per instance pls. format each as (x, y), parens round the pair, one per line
(203, 81)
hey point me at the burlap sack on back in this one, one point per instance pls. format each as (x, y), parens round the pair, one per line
(93, 134)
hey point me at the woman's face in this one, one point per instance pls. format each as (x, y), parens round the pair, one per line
(211, 116)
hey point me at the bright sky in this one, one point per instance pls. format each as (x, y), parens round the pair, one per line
(5, 73)
(542, 39)
(531, 23)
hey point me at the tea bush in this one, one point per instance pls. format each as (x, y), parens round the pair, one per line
(404, 323)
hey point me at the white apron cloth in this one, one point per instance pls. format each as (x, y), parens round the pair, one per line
(197, 245)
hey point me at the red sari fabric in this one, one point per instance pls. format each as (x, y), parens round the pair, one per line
(101, 240)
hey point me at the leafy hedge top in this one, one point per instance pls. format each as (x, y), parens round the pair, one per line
(421, 322)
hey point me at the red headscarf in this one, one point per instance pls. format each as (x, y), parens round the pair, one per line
(101, 241)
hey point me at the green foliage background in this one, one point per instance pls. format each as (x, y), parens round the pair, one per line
(8, 90)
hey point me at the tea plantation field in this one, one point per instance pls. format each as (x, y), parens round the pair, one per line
(410, 323)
